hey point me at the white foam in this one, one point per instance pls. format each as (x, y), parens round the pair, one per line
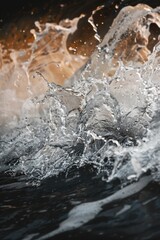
(85, 212)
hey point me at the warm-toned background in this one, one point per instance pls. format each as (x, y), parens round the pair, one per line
(17, 18)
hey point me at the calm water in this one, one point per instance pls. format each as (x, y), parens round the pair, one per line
(90, 136)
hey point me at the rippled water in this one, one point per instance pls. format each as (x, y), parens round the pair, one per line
(29, 212)
(77, 129)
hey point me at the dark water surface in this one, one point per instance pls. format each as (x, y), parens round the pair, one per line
(28, 212)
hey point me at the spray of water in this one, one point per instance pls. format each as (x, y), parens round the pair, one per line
(54, 116)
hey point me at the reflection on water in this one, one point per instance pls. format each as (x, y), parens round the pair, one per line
(74, 117)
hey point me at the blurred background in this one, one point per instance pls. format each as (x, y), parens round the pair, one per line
(18, 17)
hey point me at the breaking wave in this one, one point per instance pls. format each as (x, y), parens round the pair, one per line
(60, 110)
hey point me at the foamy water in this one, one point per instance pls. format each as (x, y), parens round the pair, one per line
(59, 109)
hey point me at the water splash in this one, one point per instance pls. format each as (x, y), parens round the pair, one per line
(105, 115)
